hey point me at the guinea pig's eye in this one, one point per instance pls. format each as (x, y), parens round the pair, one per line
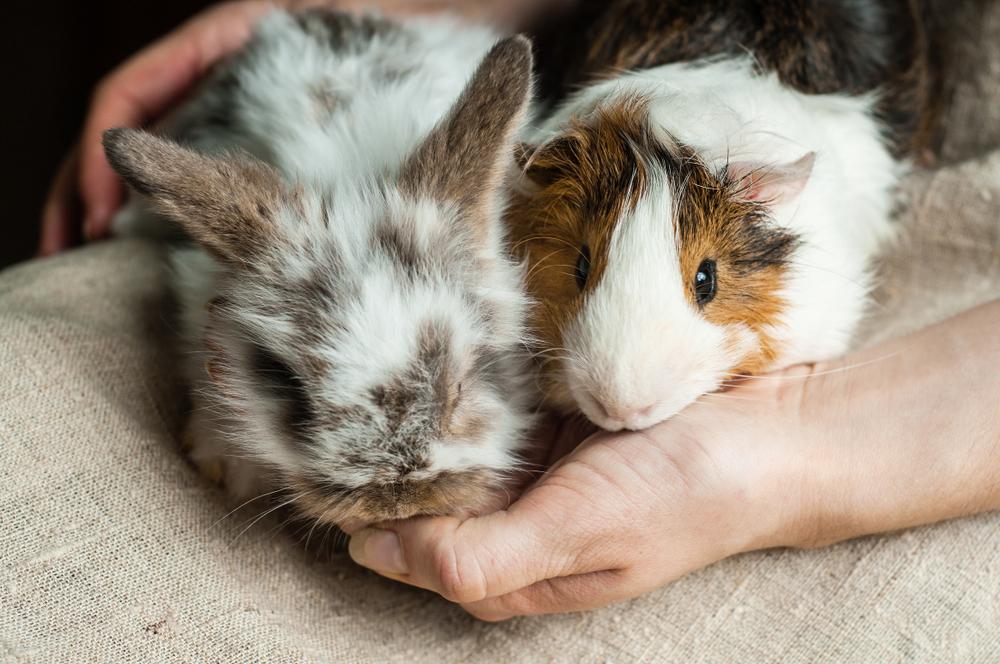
(704, 282)
(583, 267)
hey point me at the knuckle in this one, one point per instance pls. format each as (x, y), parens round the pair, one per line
(461, 578)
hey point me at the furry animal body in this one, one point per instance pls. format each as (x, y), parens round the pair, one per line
(706, 196)
(353, 325)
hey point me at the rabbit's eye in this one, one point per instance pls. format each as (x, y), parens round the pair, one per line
(287, 388)
(705, 283)
(583, 267)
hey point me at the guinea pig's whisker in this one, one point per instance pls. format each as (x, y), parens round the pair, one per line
(523, 463)
(849, 367)
(539, 265)
(730, 397)
(535, 238)
(569, 275)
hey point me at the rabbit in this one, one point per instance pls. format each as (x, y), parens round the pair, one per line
(709, 201)
(354, 323)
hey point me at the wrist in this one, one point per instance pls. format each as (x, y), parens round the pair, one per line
(754, 433)
(783, 489)
(901, 435)
(819, 498)
(837, 471)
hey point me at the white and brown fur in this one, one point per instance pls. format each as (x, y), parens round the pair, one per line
(354, 325)
(762, 147)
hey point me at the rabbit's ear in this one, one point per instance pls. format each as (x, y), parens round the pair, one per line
(466, 158)
(228, 205)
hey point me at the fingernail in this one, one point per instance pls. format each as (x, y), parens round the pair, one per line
(378, 550)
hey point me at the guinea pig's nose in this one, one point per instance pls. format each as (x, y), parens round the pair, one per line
(628, 415)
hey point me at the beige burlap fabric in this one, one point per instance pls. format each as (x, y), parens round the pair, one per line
(113, 549)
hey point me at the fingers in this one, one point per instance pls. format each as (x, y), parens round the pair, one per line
(486, 557)
(61, 209)
(581, 592)
(100, 189)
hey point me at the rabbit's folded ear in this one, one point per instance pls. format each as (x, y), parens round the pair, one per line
(466, 158)
(228, 205)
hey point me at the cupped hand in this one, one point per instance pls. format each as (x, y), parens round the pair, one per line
(618, 516)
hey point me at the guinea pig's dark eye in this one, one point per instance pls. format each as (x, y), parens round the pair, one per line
(704, 282)
(583, 267)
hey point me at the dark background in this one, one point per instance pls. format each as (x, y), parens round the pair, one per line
(52, 55)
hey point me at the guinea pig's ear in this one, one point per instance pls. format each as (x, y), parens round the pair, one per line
(467, 156)
(543, 165)
(530, 176)
(228, 205)
(771, 184)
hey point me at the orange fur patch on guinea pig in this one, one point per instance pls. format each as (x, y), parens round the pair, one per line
(584, 188)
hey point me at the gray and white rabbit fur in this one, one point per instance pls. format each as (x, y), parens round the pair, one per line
(353, 322)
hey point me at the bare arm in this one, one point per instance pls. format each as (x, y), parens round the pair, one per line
(913, 428)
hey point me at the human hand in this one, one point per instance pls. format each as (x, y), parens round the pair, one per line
(618, 516)
(902, 434)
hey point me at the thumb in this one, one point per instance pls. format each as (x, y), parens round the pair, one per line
(469, 561)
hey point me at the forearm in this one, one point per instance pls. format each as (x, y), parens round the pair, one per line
(906, 433)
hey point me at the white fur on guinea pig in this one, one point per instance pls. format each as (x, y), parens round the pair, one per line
(632, 344)
(354, 326)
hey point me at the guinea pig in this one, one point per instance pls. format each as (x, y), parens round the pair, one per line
(708, 205)
(353, 324)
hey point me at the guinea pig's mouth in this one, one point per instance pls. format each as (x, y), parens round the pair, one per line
(629, 417)
(453, 493)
